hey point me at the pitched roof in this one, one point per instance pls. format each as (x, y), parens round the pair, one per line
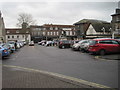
(98, 27)
(97, 24)
(14, 31)
(56, 25)
(90, 21)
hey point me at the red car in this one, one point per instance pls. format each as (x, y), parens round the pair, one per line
(64, 44)
(103, 46)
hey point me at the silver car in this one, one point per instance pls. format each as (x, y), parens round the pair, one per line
(77, 46)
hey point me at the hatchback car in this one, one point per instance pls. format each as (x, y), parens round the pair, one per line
(4, 51)
(77, 46)
(103, 46)
(31, 43)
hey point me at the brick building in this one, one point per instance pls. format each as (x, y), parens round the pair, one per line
(51, 31)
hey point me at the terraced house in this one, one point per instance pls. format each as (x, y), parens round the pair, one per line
(19, 34)
(52, 31)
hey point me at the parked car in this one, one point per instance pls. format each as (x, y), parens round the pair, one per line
(31, 43)
(104, 46)
(74, 41)
(12, 47)
(6, 46)
(77, 46)
(84, 46)
(43, 42)
(64, 44)
(4, 51)
(24, 42)
(18, 45)
(49, 43)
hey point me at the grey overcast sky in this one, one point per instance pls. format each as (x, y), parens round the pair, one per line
(57, 11)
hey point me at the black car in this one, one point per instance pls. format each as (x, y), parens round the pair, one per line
(64, 44)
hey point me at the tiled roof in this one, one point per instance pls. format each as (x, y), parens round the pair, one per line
(14, 31)
(35, 26)
(90, 21)
(55, 25)
(97, 24)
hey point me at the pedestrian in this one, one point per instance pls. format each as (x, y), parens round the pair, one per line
(16, 45)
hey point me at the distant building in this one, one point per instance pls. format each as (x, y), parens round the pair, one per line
(51, 31)
(116, 23)
(90, 28)
(2, 29)
(19, 34)
(37, 33)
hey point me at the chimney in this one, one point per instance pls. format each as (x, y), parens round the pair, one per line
(117, 11)
(24, 25)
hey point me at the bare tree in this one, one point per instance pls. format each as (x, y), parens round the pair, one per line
(25, 18)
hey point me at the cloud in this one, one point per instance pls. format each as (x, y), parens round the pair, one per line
(57, 12)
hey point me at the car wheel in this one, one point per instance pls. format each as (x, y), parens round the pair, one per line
(102, 52)
(63, 47)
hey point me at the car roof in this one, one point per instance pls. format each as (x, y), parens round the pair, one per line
(103, 39)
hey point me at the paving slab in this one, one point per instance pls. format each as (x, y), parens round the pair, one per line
(18, 78)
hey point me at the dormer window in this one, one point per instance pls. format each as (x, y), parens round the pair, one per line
(17, 31)
(27, 32)
(51, 28)
(56, 28)
(8, 31)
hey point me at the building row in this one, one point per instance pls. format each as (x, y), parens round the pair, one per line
(85, 28)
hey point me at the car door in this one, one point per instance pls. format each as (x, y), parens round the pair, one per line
(106, 45)
(116, 45)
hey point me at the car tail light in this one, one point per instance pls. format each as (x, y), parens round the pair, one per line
(12, 47)
(4, 50)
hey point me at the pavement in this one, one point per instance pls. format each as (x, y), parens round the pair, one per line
(23, 78)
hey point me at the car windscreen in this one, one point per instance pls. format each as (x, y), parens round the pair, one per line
(82, 41)
(11, 42)
(92, 42)
(66, 41)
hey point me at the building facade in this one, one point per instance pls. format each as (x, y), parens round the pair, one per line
(90, 28)
(116, 23)
(2, 29)
(13, 34)
(51, 32)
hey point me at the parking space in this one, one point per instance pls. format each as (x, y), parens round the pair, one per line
(64, 61)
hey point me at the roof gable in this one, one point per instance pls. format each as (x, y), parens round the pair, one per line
(90, 30)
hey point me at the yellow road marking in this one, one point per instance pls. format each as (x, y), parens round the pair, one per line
(95, 85)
